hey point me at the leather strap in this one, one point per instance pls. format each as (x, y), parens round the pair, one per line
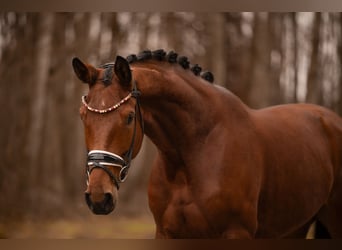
(103, 159)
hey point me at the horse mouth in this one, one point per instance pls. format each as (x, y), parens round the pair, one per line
(104, 207)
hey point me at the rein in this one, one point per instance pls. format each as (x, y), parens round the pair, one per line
(101, 158)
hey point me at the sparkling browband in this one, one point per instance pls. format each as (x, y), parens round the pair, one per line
(101, 111)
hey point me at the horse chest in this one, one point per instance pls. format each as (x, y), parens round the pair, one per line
(180, 210)
(183, 217)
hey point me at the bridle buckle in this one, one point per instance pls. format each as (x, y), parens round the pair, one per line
(123, 173)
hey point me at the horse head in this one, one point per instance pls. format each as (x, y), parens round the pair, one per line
(113, 128)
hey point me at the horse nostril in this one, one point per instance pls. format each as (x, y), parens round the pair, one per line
(108, 201)
(88, 201)
(108, 198)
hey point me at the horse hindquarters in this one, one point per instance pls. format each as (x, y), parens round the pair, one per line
(321, 231)
(330, 215)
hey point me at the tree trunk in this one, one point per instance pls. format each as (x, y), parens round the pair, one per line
(339, 103)
(314, 84)
(264, 83)
(295, 55)
(216, 27)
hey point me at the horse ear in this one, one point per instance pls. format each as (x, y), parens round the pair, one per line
(122, 70)
(85, 72)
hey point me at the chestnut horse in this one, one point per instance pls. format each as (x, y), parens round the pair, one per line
(223, 170)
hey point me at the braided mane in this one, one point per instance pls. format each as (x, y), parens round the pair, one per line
(160, 55)
(171, 57)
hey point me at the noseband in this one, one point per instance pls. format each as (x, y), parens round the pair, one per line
(103, 159)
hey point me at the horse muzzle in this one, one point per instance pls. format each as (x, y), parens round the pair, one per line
(100, 206)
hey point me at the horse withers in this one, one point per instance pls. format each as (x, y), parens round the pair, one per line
(223, 170)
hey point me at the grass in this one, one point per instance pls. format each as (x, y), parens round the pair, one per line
(87, 227)
(93, 227)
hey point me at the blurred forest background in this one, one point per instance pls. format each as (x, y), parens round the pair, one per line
(264, 58)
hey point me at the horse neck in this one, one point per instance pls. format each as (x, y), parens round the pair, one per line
(179, 108)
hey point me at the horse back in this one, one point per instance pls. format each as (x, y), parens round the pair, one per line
(302, 125)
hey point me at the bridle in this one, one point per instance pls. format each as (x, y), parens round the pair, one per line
(102, 159)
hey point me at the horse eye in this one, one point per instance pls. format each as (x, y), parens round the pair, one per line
(130, 118)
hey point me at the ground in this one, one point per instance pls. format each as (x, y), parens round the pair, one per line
(89, 227)
(92, 227)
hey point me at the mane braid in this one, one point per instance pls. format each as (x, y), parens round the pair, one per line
(171, 57)
(159, 54)
(183, 61)
(196, 69)
(144, 55)
(132, 58)
(208, 76)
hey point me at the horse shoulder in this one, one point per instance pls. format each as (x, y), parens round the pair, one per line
(232, 177)
(175, 209)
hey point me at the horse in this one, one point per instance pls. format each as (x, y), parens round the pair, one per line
(223, 169)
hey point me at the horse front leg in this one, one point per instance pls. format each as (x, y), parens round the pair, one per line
(160, 235)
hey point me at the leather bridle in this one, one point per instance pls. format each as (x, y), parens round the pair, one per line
(103, 159)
